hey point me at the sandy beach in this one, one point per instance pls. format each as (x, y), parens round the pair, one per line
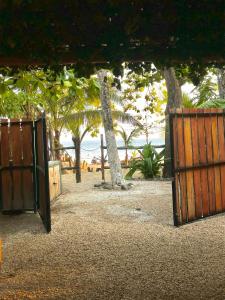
(112, 245)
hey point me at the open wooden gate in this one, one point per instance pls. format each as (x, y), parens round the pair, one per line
(24, 182)
(198, 163)
(42, 176)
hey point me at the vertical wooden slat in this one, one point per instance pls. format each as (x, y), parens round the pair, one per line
(181, 176)
(6, 178)
(221, 131)
(209, 147)
(176, 164)
(216, 158)
(28, 186)
(203, 160)
(16, 152)
(189, 163)
(197, 172)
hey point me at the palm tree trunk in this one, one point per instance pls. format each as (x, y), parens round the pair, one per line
(114, 161)
(174, 101)
(126, 156)
(221, 82)
(77, 145)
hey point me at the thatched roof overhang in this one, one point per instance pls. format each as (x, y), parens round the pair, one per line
(109, 31)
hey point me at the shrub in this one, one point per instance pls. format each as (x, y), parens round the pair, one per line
(149, 163)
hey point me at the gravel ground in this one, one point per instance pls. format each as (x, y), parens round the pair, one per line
(112, 245)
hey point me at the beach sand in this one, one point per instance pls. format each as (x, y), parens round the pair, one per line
(112, 245)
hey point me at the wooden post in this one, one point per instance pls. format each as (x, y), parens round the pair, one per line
(102, 158)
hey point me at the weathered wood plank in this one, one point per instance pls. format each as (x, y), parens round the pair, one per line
(28, 176)
(196, 173)
(221, 131)
(216, 158)
(189, 162)
(6, 180)
(181, 176)
(176, 164)
(203, 159)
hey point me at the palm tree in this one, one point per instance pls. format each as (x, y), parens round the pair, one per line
(89, 120)
(127, 138)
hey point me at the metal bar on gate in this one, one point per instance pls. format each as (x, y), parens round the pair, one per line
(22, 163)
(200, 166)
(199, 114)
(13, 123)
(15, 167)
(47, 192)
(34, 166)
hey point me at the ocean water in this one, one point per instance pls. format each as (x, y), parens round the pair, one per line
(90, 147)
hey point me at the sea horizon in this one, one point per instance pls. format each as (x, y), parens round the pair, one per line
(90, 147)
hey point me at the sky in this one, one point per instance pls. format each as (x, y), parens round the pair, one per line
(156, 133)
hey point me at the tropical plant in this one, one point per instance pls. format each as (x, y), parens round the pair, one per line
(88, 121)
(187, 101)
(149, 163)
(213, 103)
(128, 137)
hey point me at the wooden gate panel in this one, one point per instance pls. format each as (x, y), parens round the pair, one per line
(6, 180)
(28, 160)
(15, 160)
(43, 195)
(24, 182)
(198, 156)
(17, 177)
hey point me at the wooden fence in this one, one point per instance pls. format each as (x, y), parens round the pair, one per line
(198, 161)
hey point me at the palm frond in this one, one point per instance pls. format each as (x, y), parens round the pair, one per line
(149, 163)
(95, 116)
(214, 103)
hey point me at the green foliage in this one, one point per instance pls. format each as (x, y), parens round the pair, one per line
(187, 102)
(139, 87)
(149, 163)
(207, 90)
(193, 73)
(128, 137)
(214, 103)
(205, 94)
